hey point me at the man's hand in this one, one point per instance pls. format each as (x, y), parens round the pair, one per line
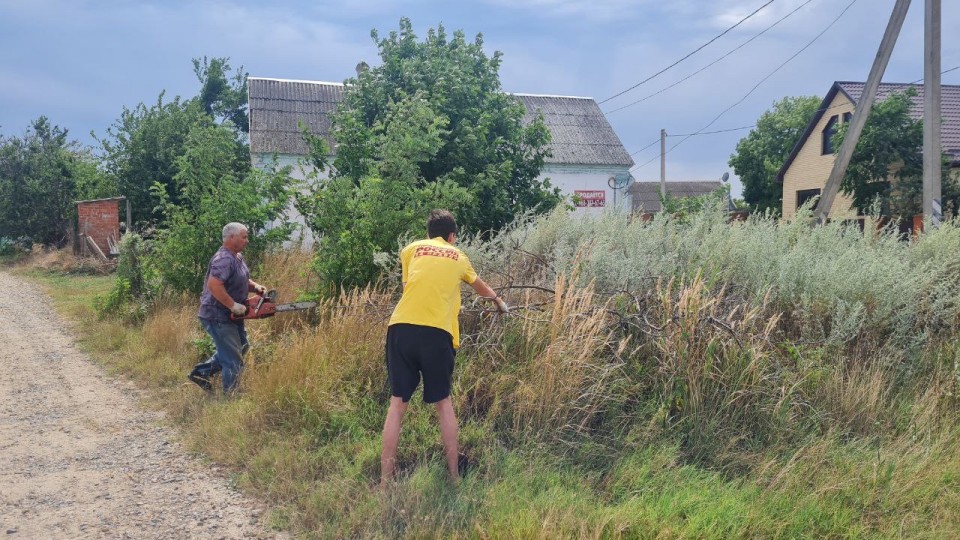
(238, 309)
(259, 289)
(502, 306)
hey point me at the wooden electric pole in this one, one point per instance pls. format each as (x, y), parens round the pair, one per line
(932, 149)
(864, 104)
(663, 164)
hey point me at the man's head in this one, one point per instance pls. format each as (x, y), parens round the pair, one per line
(235, 237)
(441, 223)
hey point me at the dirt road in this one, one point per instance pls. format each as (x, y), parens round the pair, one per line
(80, 459)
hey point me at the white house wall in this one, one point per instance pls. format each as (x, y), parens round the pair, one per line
(573, 178)
(302, 234)
(568, 178)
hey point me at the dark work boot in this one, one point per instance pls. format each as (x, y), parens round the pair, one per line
(203, 372)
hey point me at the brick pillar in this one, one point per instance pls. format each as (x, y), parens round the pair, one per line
(99, 220)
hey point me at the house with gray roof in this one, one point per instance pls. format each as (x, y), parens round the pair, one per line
(588, 162)
(805, 171)
(645, 196)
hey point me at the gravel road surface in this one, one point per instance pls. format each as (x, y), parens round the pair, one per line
(80, 458)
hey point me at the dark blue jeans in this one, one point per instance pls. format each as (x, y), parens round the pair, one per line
(231, 342)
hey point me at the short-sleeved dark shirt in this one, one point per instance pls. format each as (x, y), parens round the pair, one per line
(233, 272)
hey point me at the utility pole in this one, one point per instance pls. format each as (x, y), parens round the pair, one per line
(663, 164)
(862, 111)
(932, 149)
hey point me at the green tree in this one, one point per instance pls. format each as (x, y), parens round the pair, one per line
(212, 191)
(429, 127)
(223, 96)
(761, 154)
(142, 147)
(38, 178)
(887, 164)
(91, 181)
(483, 145)
(360, 218)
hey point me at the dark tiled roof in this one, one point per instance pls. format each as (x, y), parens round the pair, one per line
(580, 134)
(646, 195)
(949, 104)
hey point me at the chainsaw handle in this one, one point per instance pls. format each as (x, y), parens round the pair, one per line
(256, 306)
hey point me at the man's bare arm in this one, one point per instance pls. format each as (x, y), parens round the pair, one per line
(484, 290)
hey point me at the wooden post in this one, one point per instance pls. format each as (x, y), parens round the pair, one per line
(864, 104)
(663, 164)
(129, 218)
(932, 149)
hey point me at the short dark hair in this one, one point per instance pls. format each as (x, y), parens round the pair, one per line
(441, 223)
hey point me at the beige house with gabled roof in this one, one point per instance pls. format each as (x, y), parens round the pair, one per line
(805, 172)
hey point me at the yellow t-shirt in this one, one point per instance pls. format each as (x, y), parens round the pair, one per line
(432, 272)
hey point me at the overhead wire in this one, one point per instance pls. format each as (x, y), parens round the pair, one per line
(655, 141)
(711, 64)
(752, 90)
(695, 51)
(711, 132)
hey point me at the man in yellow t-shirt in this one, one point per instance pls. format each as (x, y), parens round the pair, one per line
(423, 334)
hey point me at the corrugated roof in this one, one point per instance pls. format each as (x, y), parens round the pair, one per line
(580, 134)
(949, 104)
(646, 195)
(277, 107)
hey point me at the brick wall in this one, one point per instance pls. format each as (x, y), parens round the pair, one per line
(99, 220)
(810, 169)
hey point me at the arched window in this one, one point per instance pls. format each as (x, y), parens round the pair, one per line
(828, 132)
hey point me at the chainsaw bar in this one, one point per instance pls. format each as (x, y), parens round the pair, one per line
(263, 306)
(296, 306)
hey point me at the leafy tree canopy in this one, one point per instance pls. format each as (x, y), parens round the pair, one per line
(223, 96)
(761, 154)
(887, 164)
(429, 127)
(471, 134)
(142, 147)
(39, 173)
(213, 191)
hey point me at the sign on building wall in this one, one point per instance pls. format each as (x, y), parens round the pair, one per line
(590, 198)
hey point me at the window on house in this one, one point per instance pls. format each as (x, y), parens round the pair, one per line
(805, 195)
(847, 117)
(828, 133)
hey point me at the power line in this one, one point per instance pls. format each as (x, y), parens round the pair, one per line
(655, 141)
(711, 132)
(752, 90)
(711, 64)
(698, 49)
(819, 110)
(920, 80)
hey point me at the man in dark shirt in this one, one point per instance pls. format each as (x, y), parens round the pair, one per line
(225, 289)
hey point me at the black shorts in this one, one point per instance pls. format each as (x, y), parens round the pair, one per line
(413, 349)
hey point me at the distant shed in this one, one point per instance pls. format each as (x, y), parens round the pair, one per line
(645, 196)
(98, 226)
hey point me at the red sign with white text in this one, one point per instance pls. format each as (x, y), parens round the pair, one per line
(588, 198)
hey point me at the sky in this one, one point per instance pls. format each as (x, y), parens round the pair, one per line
(81, 62)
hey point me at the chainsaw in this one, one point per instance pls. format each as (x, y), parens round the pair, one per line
(265, 305)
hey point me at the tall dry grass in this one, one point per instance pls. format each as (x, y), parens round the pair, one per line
(553, 372)
(644, 382)
(63, 261)
(325, 369)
